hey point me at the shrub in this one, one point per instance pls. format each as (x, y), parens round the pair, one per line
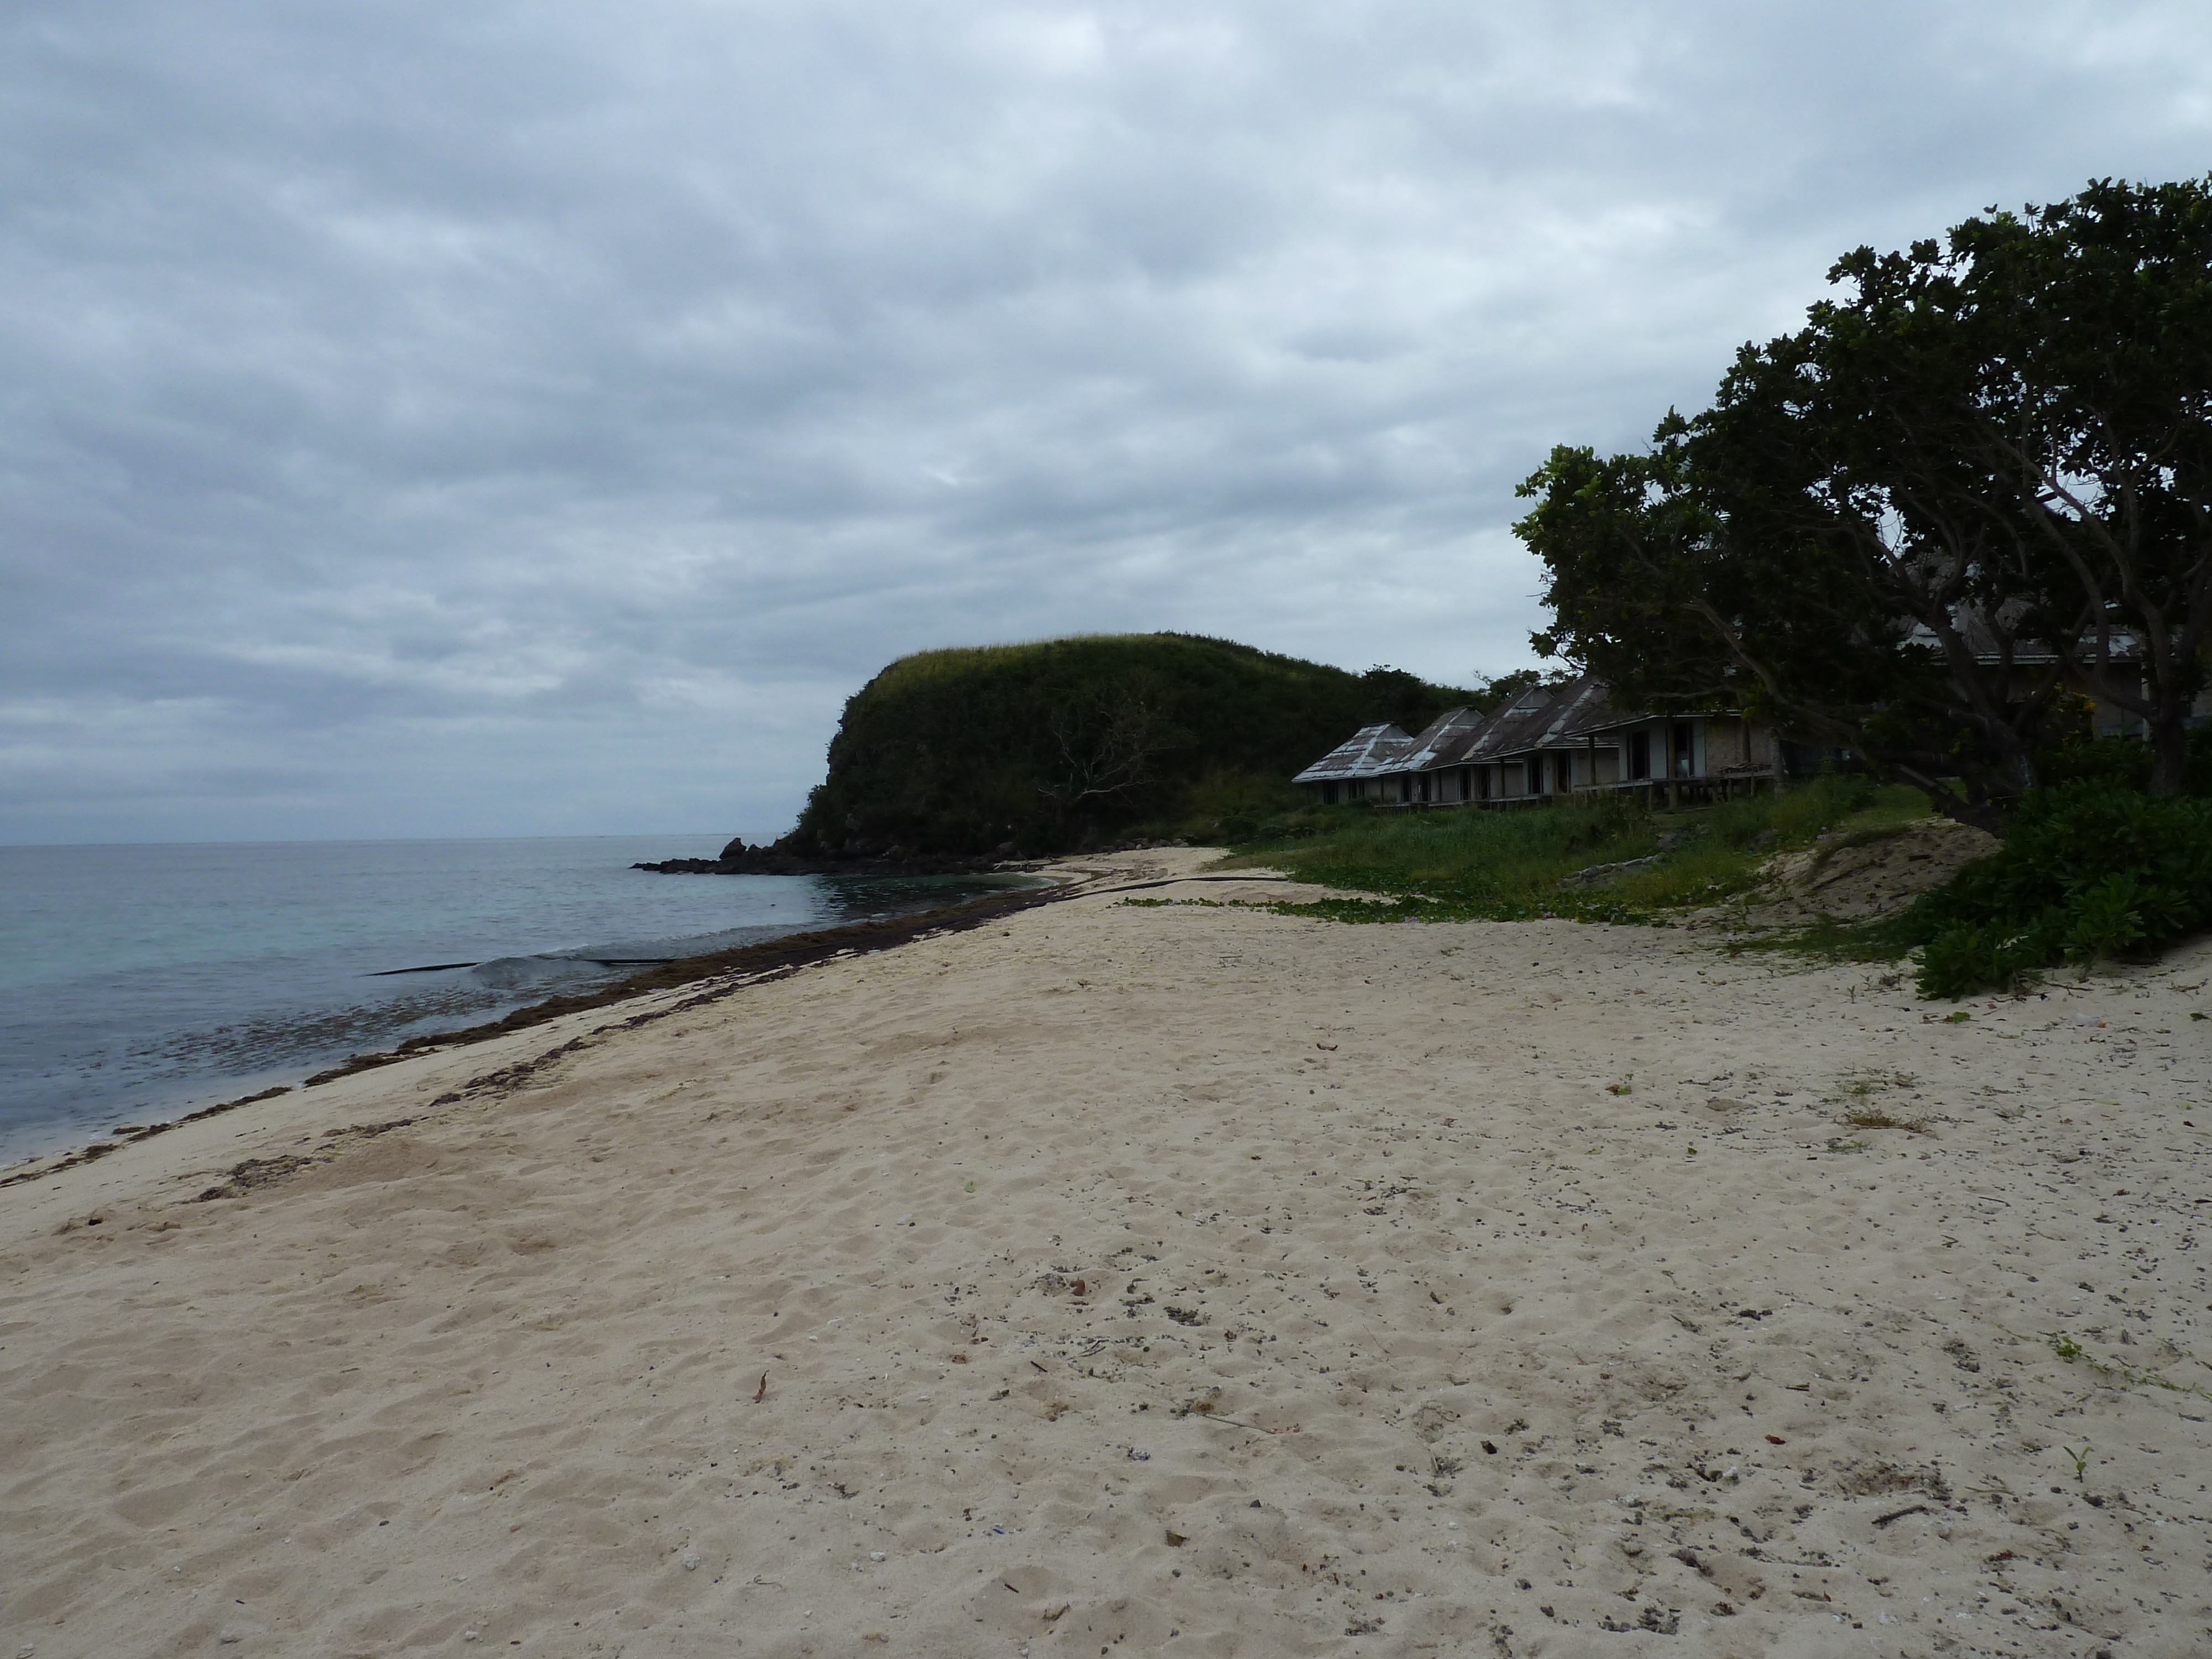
(2124, 761)
(2093, 868)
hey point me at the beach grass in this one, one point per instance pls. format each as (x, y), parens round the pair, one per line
(1508, 866)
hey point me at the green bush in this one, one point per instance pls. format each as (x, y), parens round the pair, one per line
(2092, 868)
(2124, 761)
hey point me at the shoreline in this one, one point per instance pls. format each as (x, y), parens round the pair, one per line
(1217, 1281)
(669, 987)
(807, 945)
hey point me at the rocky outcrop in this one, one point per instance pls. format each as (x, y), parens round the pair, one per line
(740, 859)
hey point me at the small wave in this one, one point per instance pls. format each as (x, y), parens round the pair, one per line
(511, 973)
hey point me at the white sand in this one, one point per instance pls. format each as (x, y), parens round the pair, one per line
(485, 1382)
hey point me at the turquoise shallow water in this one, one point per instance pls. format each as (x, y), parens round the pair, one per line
(137, 981)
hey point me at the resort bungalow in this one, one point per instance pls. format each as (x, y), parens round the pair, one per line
(1354, 769)
(1548, 742)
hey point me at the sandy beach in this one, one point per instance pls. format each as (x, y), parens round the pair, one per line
(1139, 1278)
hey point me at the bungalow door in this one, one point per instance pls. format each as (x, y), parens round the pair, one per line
(1639, 754)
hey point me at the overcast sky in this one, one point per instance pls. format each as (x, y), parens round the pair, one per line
(453, 418)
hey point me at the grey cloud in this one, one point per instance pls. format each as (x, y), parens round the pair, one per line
(490, 416)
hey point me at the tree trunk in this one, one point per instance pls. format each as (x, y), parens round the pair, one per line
(2168, 732)
(1978, 814)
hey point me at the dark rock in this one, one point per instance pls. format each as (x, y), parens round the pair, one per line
(740, 859)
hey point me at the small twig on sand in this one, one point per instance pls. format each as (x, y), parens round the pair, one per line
(1239, 1423)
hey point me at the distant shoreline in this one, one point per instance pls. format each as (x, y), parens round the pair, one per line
(761, 861)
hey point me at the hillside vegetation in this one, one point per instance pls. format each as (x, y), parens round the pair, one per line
(1050, 747)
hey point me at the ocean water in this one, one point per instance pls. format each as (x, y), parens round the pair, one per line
(136, 982)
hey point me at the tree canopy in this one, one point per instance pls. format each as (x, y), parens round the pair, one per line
(1973, 491)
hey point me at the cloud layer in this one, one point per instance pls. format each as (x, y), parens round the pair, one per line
(468, 418)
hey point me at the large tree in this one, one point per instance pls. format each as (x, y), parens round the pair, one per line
(1976, 488)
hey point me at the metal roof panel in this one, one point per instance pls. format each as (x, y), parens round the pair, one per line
(1367, 752)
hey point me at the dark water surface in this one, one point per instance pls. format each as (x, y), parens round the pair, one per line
(139, 981)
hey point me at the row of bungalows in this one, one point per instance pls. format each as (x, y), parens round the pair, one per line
(1547, 743)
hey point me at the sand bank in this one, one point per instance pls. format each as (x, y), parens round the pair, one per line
(1184, 1279)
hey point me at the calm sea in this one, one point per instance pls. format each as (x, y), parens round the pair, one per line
(139, 981)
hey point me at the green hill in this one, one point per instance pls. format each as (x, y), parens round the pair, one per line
(1064, 743)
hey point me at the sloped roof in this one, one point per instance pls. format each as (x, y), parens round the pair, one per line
(1446, 740)
(1513, 727)
(1538, 717)
(1583, 708)
(1987, 643)
(1368, 752)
